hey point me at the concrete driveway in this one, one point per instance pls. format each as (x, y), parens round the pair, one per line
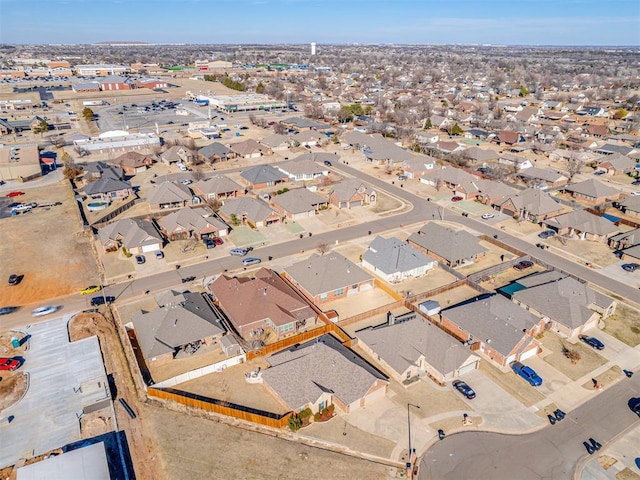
(552, 379)
(498, 408)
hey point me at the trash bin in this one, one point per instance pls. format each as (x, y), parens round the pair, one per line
(441, 434)
(15, 343)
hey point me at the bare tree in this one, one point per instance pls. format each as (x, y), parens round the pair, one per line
(574, 164)
(322, 247)
(213, 203)
(280, 128)
(197, 174)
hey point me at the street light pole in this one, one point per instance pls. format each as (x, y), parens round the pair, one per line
(410, 462)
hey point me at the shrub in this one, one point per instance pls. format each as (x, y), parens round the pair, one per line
(317, 416)
(295, 422)
(306, 413)
(126, 252)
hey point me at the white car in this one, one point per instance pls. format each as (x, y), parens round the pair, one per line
(186, 181)
(635, 194)
(42, 311)
(487, 216)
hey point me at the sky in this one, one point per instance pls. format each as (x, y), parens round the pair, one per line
(496, 22)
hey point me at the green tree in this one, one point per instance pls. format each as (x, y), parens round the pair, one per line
(427, 124)
(523, 91)
(260, 88)
(295, 422)
(41, 127)
(456, 130)
(88, 113)
(620, 114)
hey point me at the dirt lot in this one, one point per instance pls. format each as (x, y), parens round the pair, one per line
(48, 247)
(624, 324)
(513, 384)
(589, 359)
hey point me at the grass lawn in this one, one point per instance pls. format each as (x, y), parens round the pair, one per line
(624, 324)
(589, 359)
(513, 384)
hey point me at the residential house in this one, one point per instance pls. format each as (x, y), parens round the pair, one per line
(543, 176)
(217, 187)
(416, 348)
(95, 170)
(395, 260)
(262, 304)
(196, 223)
(351, 192)
(515, 161)
(593, 192)
(598, 131)
(531, 204)
(496, 327)
(377, 149)
(630, 206)
(320, 373)
(625, 239)
(448, 146)
(108, 188)
(479, 156)
(137, 236)
(303, 170)
(508, 138)
(216, 152)
(277, 142)
(170, 195)
(299, 203)
(583, 226)
(177, 154)
(616, 164)
(249, 149)
(184, 326)
(611, 148)
(133, 162)
(567, 306)
(248, 211)
(323, 278)
(418, 165)
(300, 124)
(490, 192)
(310, 138)
(448, 177)
(263, 176)
(451, 247)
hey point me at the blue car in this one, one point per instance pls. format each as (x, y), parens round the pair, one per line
(528, 373)
(592, 342)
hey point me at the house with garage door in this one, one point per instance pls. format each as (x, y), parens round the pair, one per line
(352, 192)
(303, 169)
(263, 304)
(495, 327)
(299, 203)
(323, 278)
(250, 149)
(416, 348)
(567, 306)
(137, 236)
(196, 223)
(248, 211)
(217, 187)
(593, 192)
(176, 154)
(531, 204)
(320, 373)
(170, 195)
(583, 225)
(263, 176)
(395, 260)
(133, 162)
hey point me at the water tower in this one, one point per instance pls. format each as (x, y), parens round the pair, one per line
(313, 48)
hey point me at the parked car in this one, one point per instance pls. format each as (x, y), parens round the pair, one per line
(456, 199)
(630, 267)
(209, 243)
(327, 163)
(523, 265)
(240, 252)
(251, 261)
(487, 216)
(10, 364)
(140, 259)
(90, 289)
(464, 389)
(95, 301)
(159, 255)
(528, 373)
(592, 342)
(7, 310)
(546, 234)
(14, 194)
(218, 241)
(402, 177)
(14, 279)
(42, 311)
(636, 182)
(599, 172)
(635, 406)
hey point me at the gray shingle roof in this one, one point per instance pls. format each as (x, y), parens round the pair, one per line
(391, 255)
(106, 184)
(191, 219)
(299, 200)
(401, 345)
(326, 273)
(593, 188)
(348, 188)
(217, 184)
(255, 210)
(564, 300)
(534, 201)
(263, 174)
(133, 233)
(584, 222)
(302, 374)
(169, 192)
(214, 149)
(493, 320)
(452, 245)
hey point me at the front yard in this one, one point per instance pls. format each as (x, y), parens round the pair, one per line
(588, 362)
(517, 387)
(624, 324)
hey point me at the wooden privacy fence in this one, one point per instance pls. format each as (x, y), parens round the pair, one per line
(221, 407)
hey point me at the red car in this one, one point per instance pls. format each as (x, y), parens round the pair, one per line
(10, 364)
(456, 199)
(14, 194)
(217, 240)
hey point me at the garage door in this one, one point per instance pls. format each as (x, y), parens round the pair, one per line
(150, 248)
(468, 368)
(528, 354)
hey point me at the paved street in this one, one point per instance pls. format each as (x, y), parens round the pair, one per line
(550, 453)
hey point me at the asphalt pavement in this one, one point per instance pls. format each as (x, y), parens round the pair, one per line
(550, 453)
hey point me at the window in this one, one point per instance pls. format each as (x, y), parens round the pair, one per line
(323, 296)
(338, 292)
